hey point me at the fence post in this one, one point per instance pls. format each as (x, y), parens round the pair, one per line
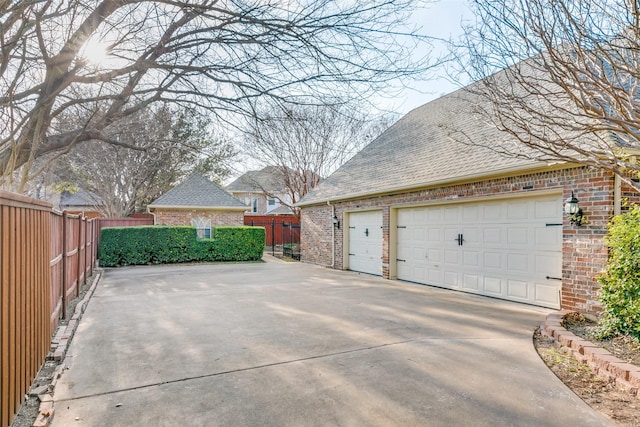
(79, 252)
(63, 282)
(273, 237)
(90, 232)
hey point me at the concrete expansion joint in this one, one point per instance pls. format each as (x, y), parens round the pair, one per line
(601, 361)
(59, 345)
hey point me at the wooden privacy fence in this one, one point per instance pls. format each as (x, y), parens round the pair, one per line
(45, 256)
(272, 224)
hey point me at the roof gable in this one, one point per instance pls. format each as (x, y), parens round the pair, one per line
(197, 191)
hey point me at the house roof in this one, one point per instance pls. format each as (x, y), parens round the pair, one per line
(424, 149)
(80, 198)
(197, 192)
(269, 179)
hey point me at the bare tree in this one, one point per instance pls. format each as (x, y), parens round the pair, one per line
(117, 57)
(170, 145)
(306, 143)
(569, 79)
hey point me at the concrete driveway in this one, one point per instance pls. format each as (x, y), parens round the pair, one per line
(289, 344)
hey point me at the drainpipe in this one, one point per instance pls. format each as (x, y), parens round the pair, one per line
(617, 195)
(154, 216)
(333, 235)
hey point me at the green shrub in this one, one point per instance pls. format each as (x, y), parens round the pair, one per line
(121, 246)
(620, 283)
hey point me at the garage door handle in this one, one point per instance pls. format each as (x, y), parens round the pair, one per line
(553, 278)
(352, 254)
(401, 260)
(459, 239)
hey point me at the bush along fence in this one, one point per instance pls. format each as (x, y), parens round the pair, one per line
(164, 244)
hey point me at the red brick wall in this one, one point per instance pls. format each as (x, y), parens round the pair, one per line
(184, 217)
(584, 253)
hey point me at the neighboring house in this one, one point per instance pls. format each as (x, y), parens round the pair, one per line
(81, 202)
(262, 191)
(197, 202)
(417, 205)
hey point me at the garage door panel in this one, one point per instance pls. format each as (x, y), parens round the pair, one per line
(493, 260)
(471, 258)
(470, 213)
(492, 213)
(451, 279)
(451, 257)
(518, 236)
(493, 285)
(546, 209)
(433, 276)
(470, 282)
(434, 235)
(517, 263)
(434, 255)
(509, 247)
(517, 289)
(432, 215)
(517, 210)
(546, 292)
(548, 237)
(492, 236)
(418, 254)
(547, 265)
(471, 236)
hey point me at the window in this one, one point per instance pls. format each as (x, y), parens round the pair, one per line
(271, 201)
(254, 205)
(203, 227)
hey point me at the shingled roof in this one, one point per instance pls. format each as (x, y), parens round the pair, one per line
(198, 192)
(421, 150)
(269, 179)
(80, 198)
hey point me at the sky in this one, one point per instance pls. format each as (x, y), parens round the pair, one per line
(441, 19)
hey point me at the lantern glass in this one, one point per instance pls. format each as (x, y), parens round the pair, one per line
(571, 206)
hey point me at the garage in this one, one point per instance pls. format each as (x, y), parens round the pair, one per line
(365, 242)
(509, 248)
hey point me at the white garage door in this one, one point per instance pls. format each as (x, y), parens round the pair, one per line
(365, 242)
(510, 248)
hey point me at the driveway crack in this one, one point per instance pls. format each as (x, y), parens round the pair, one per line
(233, 371)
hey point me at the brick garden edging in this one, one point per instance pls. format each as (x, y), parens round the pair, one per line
(602, 362)
(59, 345)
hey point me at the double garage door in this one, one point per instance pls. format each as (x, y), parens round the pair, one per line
(508, 248)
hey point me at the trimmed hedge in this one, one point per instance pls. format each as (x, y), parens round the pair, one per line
(121, 246)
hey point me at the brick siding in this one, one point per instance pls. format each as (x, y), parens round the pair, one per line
(584, 253)
(184, 217)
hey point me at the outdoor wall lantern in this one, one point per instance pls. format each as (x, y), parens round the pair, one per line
(574, 210)
(336, 222)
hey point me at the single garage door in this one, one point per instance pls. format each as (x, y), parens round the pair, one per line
(365, 242)
(508, 248)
